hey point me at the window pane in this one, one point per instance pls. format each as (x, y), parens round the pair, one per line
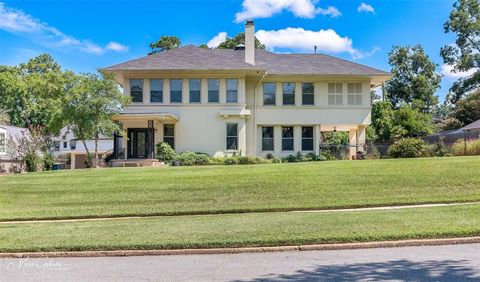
(288, 99)
(169, 134)
(176, 90)
(308, 99)
(307, 88)
(331, 88)
(307, 144)
(358, 100)
(232, 89)
(269, 90)
(267, 132)
(339, 99)
(351, 100)
(213, 90)
(339, 87)
(331, 99)
(156, 90)
(267, 138)
(288, 88)
(136, 90)
(195, 86)
(232, 136)
(287, 138)
(351, 88)
(307, 132)
(232, 129)
(358, 88)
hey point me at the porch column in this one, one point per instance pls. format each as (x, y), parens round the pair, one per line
(317, 139)
(361, 136)
(72, 160)
(151, 139)
(242, 137)
(352, 138)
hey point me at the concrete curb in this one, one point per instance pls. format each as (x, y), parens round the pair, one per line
(317, 247)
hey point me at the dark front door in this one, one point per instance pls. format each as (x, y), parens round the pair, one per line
(138, 143)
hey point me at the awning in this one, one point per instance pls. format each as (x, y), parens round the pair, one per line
(168, 117)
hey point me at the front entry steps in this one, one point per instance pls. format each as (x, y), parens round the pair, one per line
(137, 163)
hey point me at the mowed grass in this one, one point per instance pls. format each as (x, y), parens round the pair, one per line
(235, 230)
(220, 189)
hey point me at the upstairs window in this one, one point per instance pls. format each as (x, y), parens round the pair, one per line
(65, 145)
(308, 94)
(169, 134)
(156, 90)
(232, 90)
(335, 94)
(288, 93)
(213, 90)
(73, 144)
(195, 86)
(307, 138)
(3, 146)
(232, 136)
(267, 138)
(56, 146)
(287, 138)
(136, 90)
(176, 90)
(269, 92)
(354, 94)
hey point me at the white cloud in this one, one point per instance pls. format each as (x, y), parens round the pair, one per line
(115, 46)
(267, 8)
(217, 39)
(17, 22)
(304, 40)
(365, 8)
(447, 71)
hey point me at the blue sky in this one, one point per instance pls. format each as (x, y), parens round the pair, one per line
(85, 35)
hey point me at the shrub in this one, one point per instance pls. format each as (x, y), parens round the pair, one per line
(269, 156)
(438, 150)
(48, 161)
(230, 160)
(276, 160)
(408, 148)
(216, 161)
(468, 148)
(186, 158)
(165, 152)
(32, 162)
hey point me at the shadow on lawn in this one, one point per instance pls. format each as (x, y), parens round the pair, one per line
(403, 270)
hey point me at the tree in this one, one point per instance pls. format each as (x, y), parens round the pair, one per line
(464, 56)
(231, 43)
(95, 99)
(467, 109)
(32, 94)
(165, 43)
(410, 122)
(414, 80)
(4, 118)
(382, 120)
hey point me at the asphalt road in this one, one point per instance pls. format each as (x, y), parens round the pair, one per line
(430, 263)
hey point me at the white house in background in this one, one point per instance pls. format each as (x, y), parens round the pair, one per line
(67, 144)
(245, 101)
(7, 162)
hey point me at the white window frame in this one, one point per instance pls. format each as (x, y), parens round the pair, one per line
(354, 94)
(335, 94)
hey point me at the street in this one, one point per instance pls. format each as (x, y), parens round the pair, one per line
(429, 263)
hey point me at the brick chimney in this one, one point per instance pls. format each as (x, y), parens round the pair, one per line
(250, 42)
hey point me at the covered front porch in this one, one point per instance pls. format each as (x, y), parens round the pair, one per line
(135, 144)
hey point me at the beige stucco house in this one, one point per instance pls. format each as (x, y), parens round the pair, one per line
(246, 101)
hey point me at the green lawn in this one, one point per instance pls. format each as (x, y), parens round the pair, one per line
(215, 189)
(233, 230)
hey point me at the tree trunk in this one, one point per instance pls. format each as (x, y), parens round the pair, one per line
(88, 158)
(96, 165)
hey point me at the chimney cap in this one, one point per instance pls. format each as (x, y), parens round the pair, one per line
(249, 22)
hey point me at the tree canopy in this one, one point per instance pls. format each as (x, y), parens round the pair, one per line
(32, 94)
(464, 55)
(231, 43)
(414, 80)
(164, 43)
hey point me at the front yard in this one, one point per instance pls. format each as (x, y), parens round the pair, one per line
(220, 206)
(218, 189)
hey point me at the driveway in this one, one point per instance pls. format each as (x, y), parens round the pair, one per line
(429, 263)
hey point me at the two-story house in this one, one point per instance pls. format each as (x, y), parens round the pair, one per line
(248, 101)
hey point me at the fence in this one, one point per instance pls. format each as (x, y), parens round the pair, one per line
(451, 137)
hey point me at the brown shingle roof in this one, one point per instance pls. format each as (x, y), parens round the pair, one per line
(195, 58)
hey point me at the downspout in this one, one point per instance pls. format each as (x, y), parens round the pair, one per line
(255, 112)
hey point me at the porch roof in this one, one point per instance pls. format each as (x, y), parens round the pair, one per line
(169, 117)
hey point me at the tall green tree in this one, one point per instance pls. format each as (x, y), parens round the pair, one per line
(164, 43)
(95, 99)
(382, 120)
(231, 43)
(414, 80)
(464, 55)
(32, 94)
(467, 109)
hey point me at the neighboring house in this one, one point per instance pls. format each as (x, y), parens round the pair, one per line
(66, 144)
(468, 132)
(244, 101)
(7, 162)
